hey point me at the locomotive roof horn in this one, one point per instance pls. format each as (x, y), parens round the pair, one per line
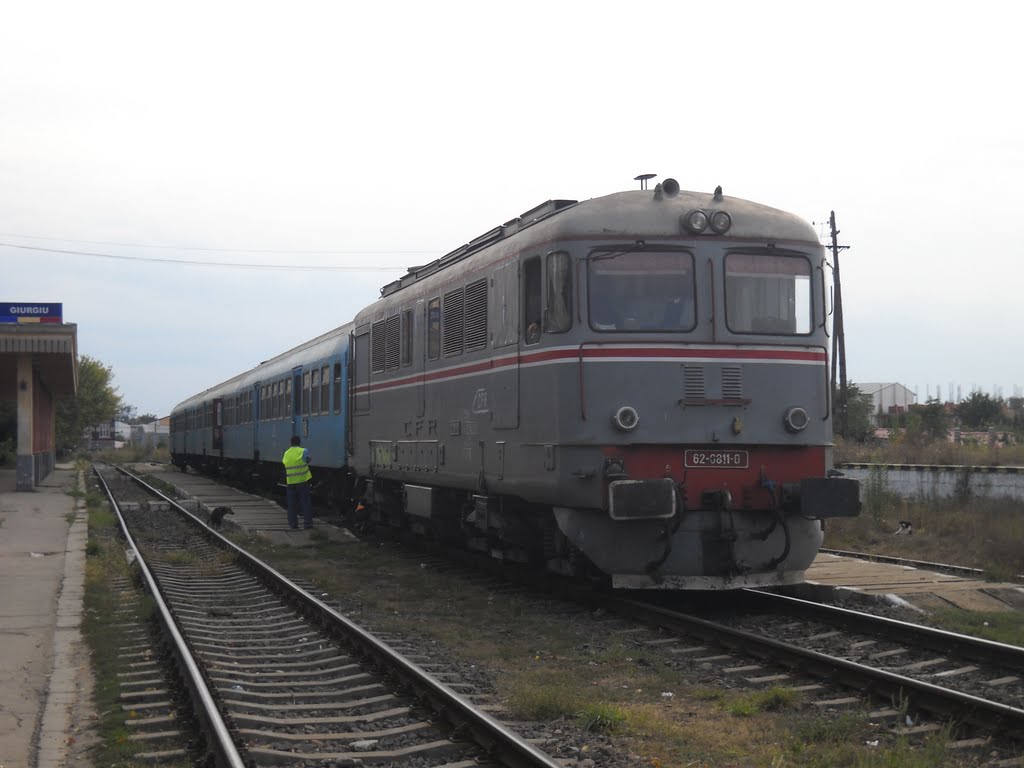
(670, 187)
(643, 178)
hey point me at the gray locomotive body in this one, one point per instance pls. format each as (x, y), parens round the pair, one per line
(634, 385)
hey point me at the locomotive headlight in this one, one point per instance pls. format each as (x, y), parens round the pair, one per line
(626, 418)
(796, 419)
(720, 222)
(695, 221)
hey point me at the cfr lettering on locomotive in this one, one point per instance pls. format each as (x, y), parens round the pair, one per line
(480, 401)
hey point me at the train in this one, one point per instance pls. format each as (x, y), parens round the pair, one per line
(632, 388)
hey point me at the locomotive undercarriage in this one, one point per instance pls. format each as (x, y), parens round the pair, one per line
(503, 527)
(702, 549)
(708, 546)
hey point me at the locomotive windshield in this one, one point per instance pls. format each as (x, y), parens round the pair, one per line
(641, 291)
(768, 294)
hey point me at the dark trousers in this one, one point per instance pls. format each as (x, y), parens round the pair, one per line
(298, 496)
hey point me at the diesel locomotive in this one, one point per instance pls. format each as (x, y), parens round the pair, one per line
(633, 387)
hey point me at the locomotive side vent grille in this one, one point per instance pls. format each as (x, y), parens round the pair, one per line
(693, 382)
(732, 382)
(391, 332)
(476, 315)
(451, 323)
(377, 344)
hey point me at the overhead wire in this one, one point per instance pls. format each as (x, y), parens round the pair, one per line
(234, 265)
(211, 250)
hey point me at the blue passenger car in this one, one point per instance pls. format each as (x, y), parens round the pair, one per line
(240, 428)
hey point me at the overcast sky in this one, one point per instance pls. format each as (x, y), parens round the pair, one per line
(368, 137)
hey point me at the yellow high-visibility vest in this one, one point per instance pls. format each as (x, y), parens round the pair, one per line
(296, 470)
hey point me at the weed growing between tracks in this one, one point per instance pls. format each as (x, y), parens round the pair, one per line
(588, 674)
(1003, 627)
(107, 573)
(977, 533)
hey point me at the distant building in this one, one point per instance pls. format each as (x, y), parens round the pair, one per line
(103, 436)
(888, 400)
(156, 434)
(116, 434)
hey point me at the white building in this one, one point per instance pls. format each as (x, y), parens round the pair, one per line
(153, 435)
(887, 399)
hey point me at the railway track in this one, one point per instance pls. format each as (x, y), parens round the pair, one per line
(967, 680)
(277, 677)
(917, 679)
(906, 672)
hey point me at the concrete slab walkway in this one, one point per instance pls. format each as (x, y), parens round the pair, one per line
(45, 678)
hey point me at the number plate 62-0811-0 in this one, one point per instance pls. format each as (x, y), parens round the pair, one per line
(716, 459)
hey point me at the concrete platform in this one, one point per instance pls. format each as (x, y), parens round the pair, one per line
(45, 679)
(921, 588)
(257, 515)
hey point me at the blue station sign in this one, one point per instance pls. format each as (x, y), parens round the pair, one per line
(31, 312)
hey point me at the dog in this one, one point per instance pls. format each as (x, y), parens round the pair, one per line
(906, 528)
(217, 516)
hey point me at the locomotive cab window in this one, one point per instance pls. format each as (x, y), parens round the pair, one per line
(406, 340)
(768, 294)
(434, 328)
(532, 300)
(558, 289)
(641, 290)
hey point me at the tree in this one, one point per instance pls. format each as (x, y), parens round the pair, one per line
(931, 421)
(858, 413)
(129, 414)
(97, 401)
(980, 410)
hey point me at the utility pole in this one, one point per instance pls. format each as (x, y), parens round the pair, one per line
(838, 335)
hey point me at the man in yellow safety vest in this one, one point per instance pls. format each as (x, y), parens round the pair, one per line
(297, 474)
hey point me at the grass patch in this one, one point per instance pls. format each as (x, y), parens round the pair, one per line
(978, 533)
(601, 718)
(166, 488)
(541, 695)
(772, 700)
(180, 557)
(1002, 627)
(105, 565)
(106, 573)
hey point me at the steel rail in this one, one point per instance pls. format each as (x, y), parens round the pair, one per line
(932, 638)
(500, 744)
(975, 710)
(225, 752)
